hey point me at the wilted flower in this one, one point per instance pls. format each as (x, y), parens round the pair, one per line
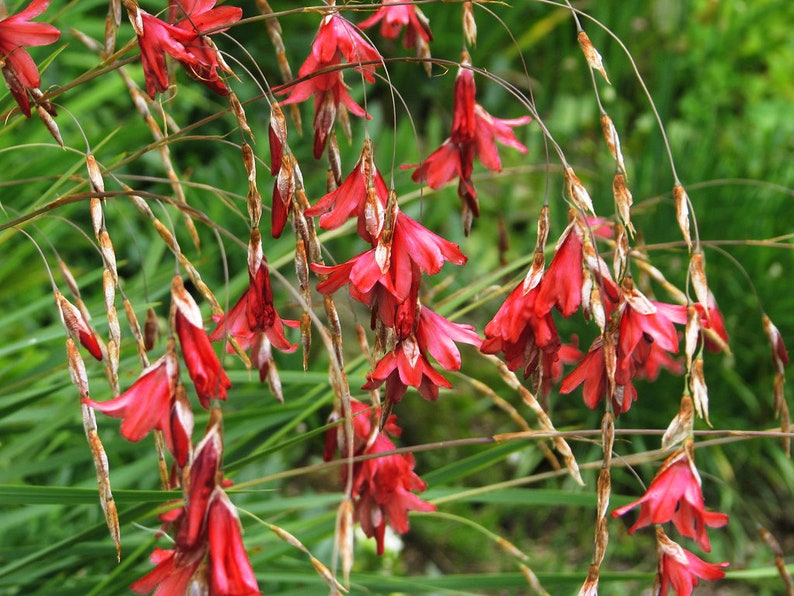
(19, 70)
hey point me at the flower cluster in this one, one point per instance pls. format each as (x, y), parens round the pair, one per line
(336, 43)
(207, 529)
(383, 486)
(387, 279)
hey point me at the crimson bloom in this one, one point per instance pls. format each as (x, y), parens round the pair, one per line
(146, 405)
(395, 15)
(681, 569)
(202, 363)
(185, 41)
(336, 41)
(254, 322)
(474, 133)
(19, 69)
(230, 569)
(561, 286)
(169, 577)
(675, 495)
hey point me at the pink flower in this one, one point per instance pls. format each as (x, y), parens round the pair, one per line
(336, 40)
(438, 335)
(146, 405)
(681, 569)
(396, 14)
(19, 70)
(230, 569)
(406, 366)
(185, 41)
(202, 363)
(675, 495)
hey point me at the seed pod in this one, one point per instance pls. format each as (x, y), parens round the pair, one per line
(697, 273)
(680, 427)
(577, 192)
(700, 391)
(592, 56)
(469, 24)
(623, 201)
(613, 140)
(681, 200)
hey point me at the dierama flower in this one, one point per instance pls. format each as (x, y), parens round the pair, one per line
(675, 495)
(681, 569)
(19, 69)
(395, 15)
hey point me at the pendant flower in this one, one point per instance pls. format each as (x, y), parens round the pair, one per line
(202, 363)
(19, 69)
(337, 42)
(395, 15)
(675, 495)
(230, 569)
(146, 405)
(681, 569)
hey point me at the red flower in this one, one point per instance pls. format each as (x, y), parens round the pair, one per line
(474, 132)
(204, 474)
(169, 576)
(437, 335)
(393, 16)
(518, 331)
(413, 248)
(681, 569)
(337, 39)
(230, 569)
(561, 286)
(253, 321)
(146, 405)
(202, 363)
(382, 491)
(184, 41)
(16, 32)
(363, 426)
(675, 495)
(363, 195)
(406, 366)
(593, 373)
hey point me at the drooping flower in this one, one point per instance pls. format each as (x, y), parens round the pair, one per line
(561, 286)
(362, 195)
(202, 363)
(474, 134)
(675, 495)
(680, 569)
(169, 576)
(185, 40)
(19, 69)
(337, 42)
(146, 405)
(383, 492)
(382, 487)
(229, 568)
(395, 15)
(253, 321)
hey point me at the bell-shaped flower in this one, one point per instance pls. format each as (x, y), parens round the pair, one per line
(561, 286)
(680, 569)
(202, 363)
(675, 495)
(19, 69)
(204, 473)
(146, 405)
(229, 568)
(394, 15)
(383, 494)
(169, 576)
(437, 335)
